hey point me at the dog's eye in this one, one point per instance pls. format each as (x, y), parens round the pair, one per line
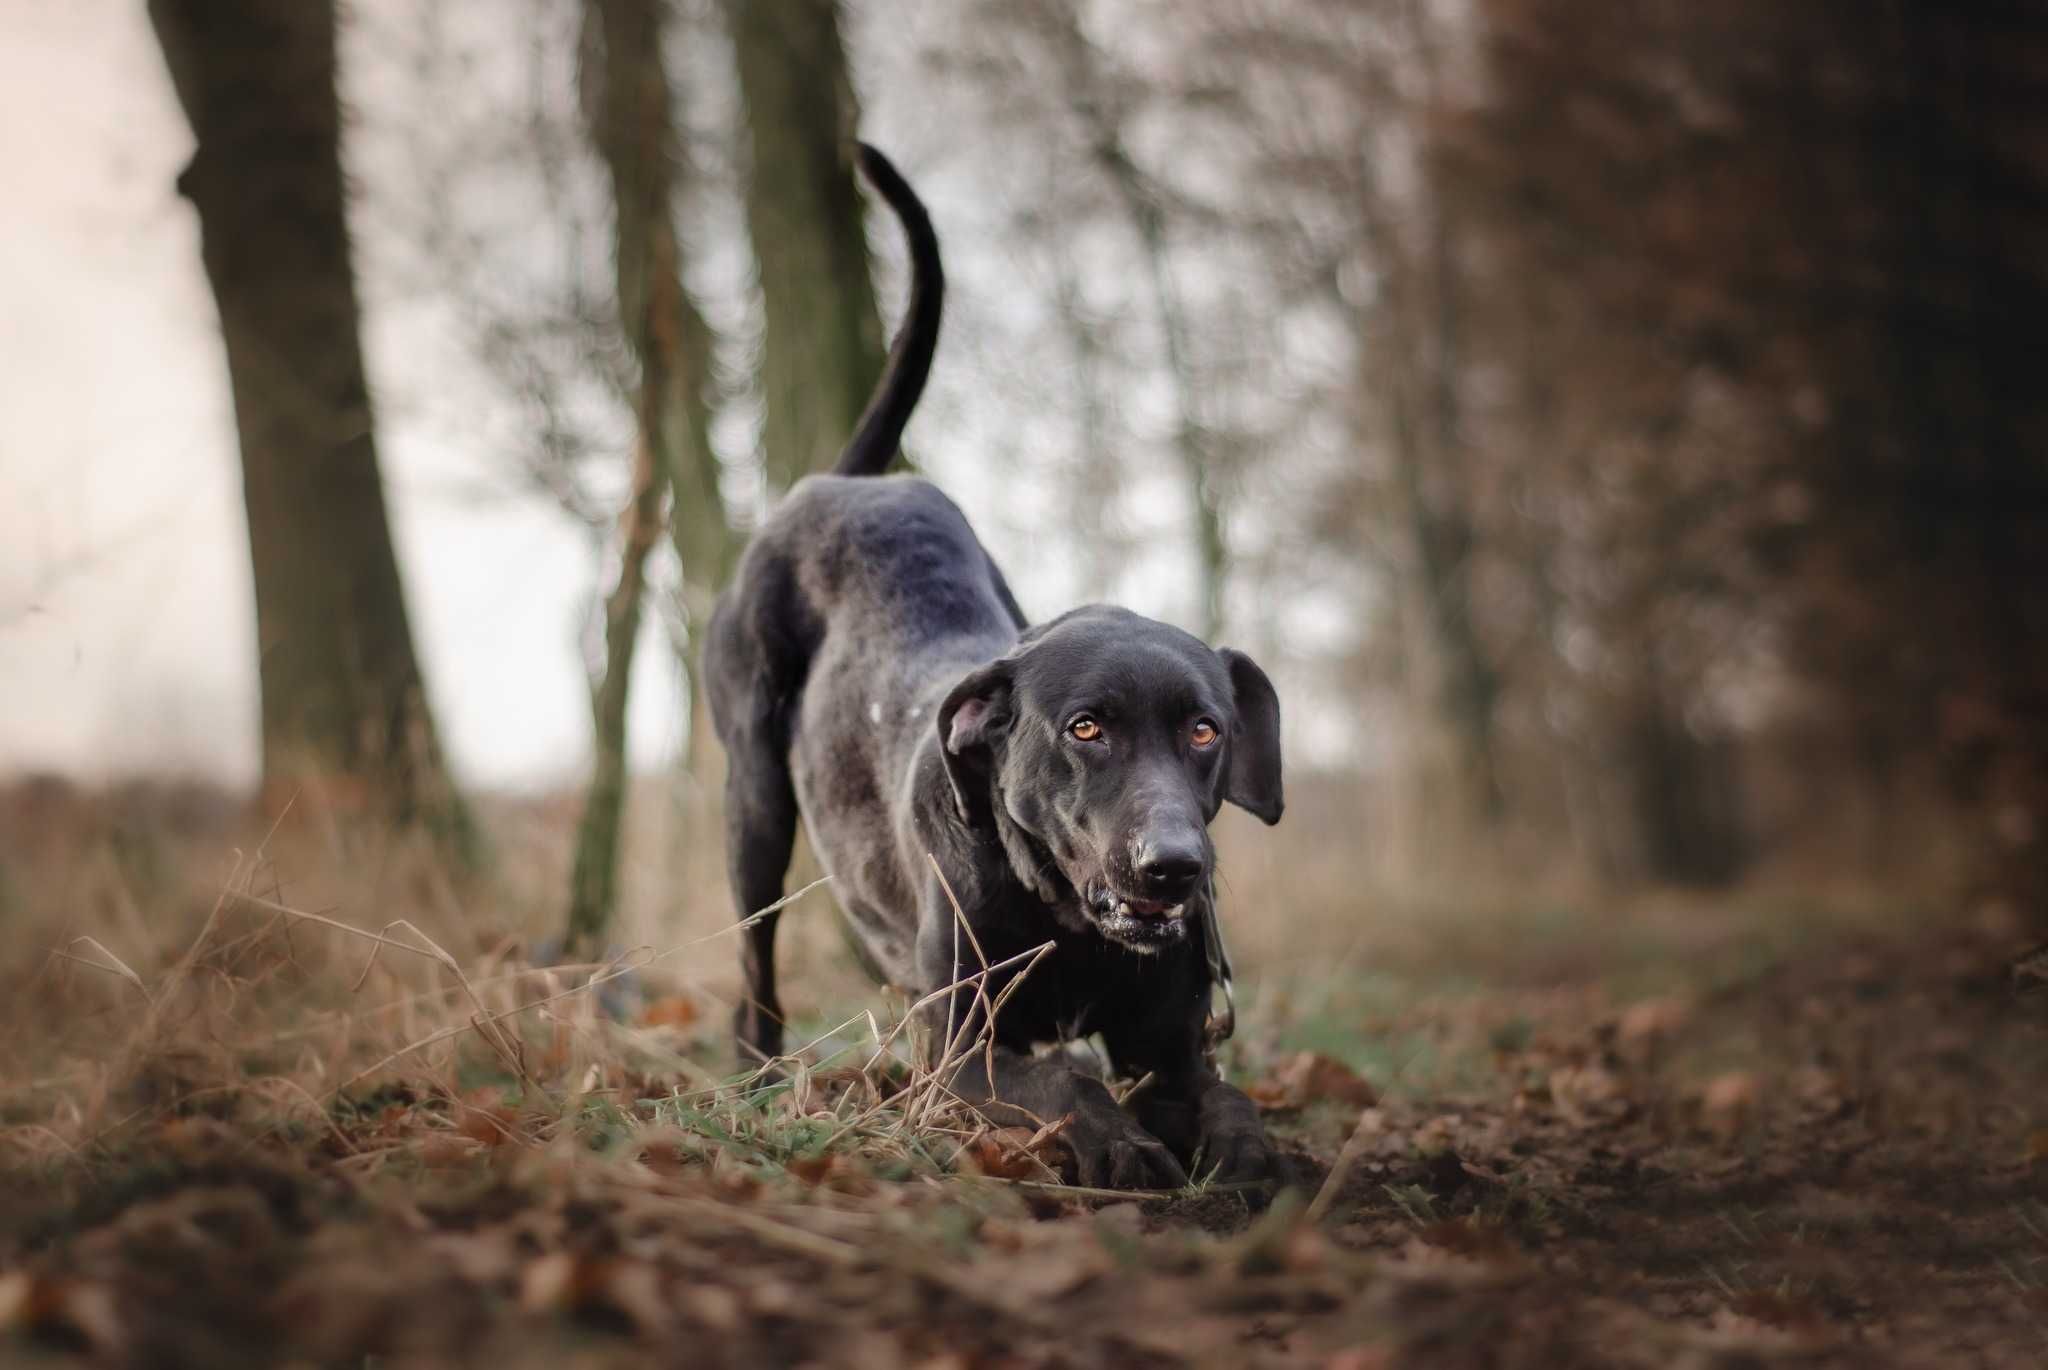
(1203, 734)
(1085, 729)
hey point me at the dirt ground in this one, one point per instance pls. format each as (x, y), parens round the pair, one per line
(1710, 1133)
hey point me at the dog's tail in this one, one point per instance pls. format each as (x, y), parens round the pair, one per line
(910, 356)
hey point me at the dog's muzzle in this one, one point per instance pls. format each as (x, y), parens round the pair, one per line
(1145, 925)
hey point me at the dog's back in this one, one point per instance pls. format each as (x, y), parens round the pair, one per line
(861, 599)
(856, 602)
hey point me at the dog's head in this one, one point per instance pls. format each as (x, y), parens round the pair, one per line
(1098, 750)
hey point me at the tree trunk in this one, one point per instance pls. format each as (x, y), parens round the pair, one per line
(821, 353)
(1409, 344)
(634, 135)
(1138, 197)
(343, 707)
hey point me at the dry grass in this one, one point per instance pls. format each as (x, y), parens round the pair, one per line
(292, 1088)
(281, 1017)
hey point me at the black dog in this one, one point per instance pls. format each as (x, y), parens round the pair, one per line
(870, 671)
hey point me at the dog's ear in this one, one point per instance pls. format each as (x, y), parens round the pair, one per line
(1253, 782)
(971, 723)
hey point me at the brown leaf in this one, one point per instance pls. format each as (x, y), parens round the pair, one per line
(548, 1284)
(483, 1116)
(664, 1151)
(17, 1289)
(1438, 1135)
(1309, 1076)
(714, 1306)
(837, 1171)
(447, 1148)
(1728, 1102)
(733, 1182)
(1304, 1251)
(812, 1170)
(482, 1258)
(673, 1011)
(1012, 1153)
(633, 1290)
(2037, 1147)
(1486, 1243)
(1586, 1093)
(1646, 1026)
(48, 1304)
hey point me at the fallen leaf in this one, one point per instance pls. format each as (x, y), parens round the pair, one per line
(561, 1283)
(674, 1011)
(17, 1288)
(1482, 1242)
(1013, 1153)
(771, 1297)
(1055, 1271)
(1646, 1026)
(1304, 1251)
(547, 1285)
(1437, 1135)
(2037, 1147)
(479, 1257)
(1822, 1092)
(1309, 1076)
(665, 1151)
(731, 1180)
(80, 1309)
(447, 1148)
(484, 1117)
(1728, 1102)
(633, 1290)
(1587, 1093)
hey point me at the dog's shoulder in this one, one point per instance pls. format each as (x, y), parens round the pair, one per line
(829, 498)
(869, 521)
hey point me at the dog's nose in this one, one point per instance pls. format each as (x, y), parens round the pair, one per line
(1170, 864)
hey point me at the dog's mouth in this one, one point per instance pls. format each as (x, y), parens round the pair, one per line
(1146, 925)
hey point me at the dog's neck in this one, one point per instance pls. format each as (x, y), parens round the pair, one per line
(1031, 865)
(1030, 861)
(996, 857)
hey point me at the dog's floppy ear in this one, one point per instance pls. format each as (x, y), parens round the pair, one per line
(1253, 783)
(971, 722)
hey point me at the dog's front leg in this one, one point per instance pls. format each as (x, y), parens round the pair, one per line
(1208, 1122)
(1109, 1147)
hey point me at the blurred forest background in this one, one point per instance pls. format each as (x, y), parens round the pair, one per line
(1619, 425)
(1620, 429)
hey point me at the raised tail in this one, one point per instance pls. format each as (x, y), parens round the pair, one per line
(910, 356)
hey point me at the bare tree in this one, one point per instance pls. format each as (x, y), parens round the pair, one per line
(821, 348)
(343, 703)
(1100, 96)
(631, 124)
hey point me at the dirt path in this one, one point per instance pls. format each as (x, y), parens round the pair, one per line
(1839, 1159)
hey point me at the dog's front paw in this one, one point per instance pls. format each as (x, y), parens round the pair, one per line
(1237, 1153)
(1111, 1151)
(1233, 1146)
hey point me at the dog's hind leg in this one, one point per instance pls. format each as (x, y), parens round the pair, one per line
(760, 831)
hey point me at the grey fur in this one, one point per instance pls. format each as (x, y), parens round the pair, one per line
(870, 672)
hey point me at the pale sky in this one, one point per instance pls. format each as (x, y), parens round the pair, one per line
(126, 622)
(126, 619)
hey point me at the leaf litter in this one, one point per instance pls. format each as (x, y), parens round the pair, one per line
(1836, 1163)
